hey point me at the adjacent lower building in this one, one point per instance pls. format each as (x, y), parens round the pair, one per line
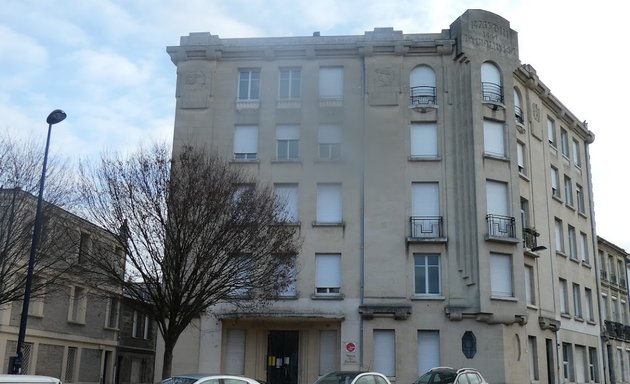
(442, 191)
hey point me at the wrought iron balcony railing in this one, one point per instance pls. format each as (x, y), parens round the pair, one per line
(501, 226)
(426, 227)
(492, 92)
(529, 238)
(518, 114)
(422, 95)
(603, 275)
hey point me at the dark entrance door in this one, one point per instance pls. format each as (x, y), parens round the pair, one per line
(282, 357)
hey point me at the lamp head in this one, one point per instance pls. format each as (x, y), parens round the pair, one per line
(56, 116)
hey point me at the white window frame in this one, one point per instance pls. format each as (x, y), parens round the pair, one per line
(555, 183)
(572, 242)
(567, 361)
(559, 235)
(494, 138)
(577, 157)
(423, 140)
(429, 266)
(579, 192)
(577, 301)
(288, 142)
(250, 77)
(568, 191)
(246, 142)
(521, 158)
(77, 307)
(501, 275)
(564, 297)
(551, 132)
(328, 274)
(329, 141)
(290, 83)
(564, 143)
(584, 254)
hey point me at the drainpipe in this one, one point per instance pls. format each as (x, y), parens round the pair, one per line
(362, 212)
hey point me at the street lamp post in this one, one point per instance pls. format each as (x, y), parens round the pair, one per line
(16, 363)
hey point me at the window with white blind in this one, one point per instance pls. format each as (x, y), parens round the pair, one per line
(494, 138)
(331, 83)
(584, 255)
(559, 235)
(424, 141)
(530, 292)
(235, 352)
(501, 275)
(249, 84)
(428, 351)
(577, 301)
(329, 209)
(422, 86)
(245, 142)
(564, 142)
(427, 274)
(551, 132)
(555, 183)
(384, 358)
(287, 142)
(327, 352)
(328, 274)
(520, 158)
(572, 242)
(581, 364)
(425, 209)
(577, 158)
(533, 357)
(329, 141)
(491, 85)
(287, 195)
(289, 83)
(579, 193)
(518, 109)
(564, 297)
(497, 198)
(568, 191)
(589, 314)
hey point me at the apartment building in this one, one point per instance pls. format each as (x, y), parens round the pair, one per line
(72, 331)
(442, 191)
(613, 262)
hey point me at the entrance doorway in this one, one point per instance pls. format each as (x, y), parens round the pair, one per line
(282, 357)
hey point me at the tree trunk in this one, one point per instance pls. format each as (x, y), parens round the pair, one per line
(167, 362)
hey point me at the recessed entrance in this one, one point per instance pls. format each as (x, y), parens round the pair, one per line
(282, 357)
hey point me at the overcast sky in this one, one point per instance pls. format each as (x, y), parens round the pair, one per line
(104, 62)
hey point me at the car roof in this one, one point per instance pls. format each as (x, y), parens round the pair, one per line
(7, 378)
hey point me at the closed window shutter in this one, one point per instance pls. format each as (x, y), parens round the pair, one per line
(501, 275)
(422, 76)
(328, 271)
(329, 203)
(329, 134)
(425, 199)
(235, 354)
(331, 82)
(580, 364)
(497, 198)
(385, 352)
(327, 352)
(490, 74)
(246, 139)
(424, 140)
(287, 132)
(493, 138)
(428, 350)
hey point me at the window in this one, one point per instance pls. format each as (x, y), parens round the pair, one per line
(289, 83)
(592, 364)
(624, 312)
(564, 142)
(579, 192)
(606, 307)
(78, 305)
(533, 358)
(588, 294)
(249, 84)
(493, 138)
(525, 213)
(427, 274)
(424, 142)
(327, 274)
(577, 301)
(287, 142)
(425, 210)
(567, 361)
(568, 191)
(428, 350)
(555, 183)
(518, 110)
(497, 198)
(71, 359)
(245, 142)
(581, 372)
(530, 292)
(235, 352)
(520, 156)
(329, 140)
(614, 313)
(622, 370)
(559, 234)
(577, 158)
(113, 308)
(141, 326)
(572, 243)
(501, 275)
(327, 352)
(331, 83)
(85, 245)
(564, 297)
(551, 132)
(36, 305)
(385, 352)
(584, 256)
(491, 86)
(329, 210)
(287, 196)
(422, 86)
(291, 289)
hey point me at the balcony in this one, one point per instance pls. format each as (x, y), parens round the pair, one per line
(492, 93)
(501, 228)
(426, 229)
(422, 96)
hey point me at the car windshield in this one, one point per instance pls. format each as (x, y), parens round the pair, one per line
(179, 380)
(337, 378)
(443, 377)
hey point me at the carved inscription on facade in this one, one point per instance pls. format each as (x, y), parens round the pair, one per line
(489, 35)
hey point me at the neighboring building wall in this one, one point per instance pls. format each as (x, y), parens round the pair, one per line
(428, 249)
(614, 298)
(136, 346)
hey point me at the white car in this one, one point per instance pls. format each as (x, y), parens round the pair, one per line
(28, 379)
(353, 377)
(203, 378)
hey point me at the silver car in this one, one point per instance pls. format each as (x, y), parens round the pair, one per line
(203, 378)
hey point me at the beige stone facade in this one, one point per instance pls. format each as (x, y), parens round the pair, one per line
(442, 191)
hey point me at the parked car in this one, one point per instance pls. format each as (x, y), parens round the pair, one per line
(448, 375)
(353, 377)
(28, 379)
(205, 378)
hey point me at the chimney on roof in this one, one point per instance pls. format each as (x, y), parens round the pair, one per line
(316, 33)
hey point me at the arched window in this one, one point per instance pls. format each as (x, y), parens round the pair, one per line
(518, 110)
(422, 86)
(491, 86)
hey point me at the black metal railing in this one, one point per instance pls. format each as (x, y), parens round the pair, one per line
(518, 114)
(603, 275)
(530, 238)
(492, 92)
(622, 282)
(501, 226)
(422, 95)
(426, 227)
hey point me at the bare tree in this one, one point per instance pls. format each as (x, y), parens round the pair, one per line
(20, 172)
(195, 231)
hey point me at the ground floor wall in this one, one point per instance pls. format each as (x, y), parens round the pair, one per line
(134, 366)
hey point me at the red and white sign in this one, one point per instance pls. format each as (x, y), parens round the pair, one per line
(350, 346)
